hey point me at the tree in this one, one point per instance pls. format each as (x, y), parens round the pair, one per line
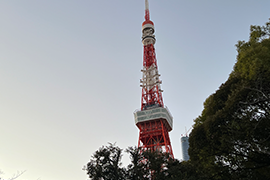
(105, 164)
(136, 170)
(231, 138)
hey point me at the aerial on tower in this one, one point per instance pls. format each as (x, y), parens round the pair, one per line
(153, 120)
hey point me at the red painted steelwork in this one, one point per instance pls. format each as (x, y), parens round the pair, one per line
(154, 136)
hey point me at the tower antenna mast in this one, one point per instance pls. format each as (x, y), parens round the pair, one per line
(147, 14)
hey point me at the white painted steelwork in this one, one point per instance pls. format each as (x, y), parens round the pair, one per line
(150, 78)
(146, 5)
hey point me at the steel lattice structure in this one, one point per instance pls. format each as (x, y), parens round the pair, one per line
(153, 120)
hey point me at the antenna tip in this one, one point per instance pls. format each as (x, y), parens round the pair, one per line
(146, 5)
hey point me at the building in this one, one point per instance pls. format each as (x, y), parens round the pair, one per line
(184, 147)
(153, 119)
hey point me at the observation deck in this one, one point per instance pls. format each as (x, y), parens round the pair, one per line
(154, 114)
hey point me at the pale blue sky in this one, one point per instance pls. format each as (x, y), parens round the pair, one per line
(70, 70)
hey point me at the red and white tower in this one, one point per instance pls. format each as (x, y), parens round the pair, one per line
(153, 120)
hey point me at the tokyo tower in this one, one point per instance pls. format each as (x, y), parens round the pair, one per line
(153, 120)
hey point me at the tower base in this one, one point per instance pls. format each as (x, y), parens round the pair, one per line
(154, 136)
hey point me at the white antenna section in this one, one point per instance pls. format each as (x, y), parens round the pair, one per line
(146, 5)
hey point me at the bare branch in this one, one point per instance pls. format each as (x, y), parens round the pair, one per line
(15, 176)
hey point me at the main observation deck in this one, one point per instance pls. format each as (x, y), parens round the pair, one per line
(154, 114)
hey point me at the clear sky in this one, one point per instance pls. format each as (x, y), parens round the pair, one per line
(70, 70)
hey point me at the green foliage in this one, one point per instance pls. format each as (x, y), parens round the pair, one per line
(253, 56)
(106, 164)
(231, 138)
(182, 170)
(145, 165)
(136, 170)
